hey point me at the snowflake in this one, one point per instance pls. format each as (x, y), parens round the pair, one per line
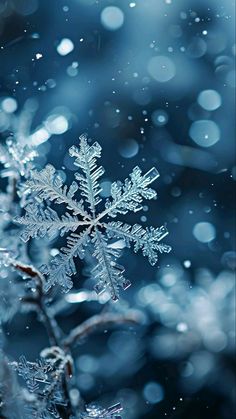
(43, 379)
(87, 226)
(18, 152)
(32, 372)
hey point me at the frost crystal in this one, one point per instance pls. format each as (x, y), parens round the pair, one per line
(88, 226)
(44, 380)
(18, 152)
(96, 412)
(33, 372)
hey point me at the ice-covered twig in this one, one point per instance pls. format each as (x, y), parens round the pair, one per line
(49, 321)
(106, 320)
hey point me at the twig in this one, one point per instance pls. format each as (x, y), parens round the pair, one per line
(106, 320)
(48, 320)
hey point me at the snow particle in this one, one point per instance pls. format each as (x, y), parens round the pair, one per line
(65, 46)
(182, 327)
(187, 264)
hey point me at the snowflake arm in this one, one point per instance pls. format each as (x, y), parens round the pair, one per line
(85, 159)
(95, 411)
(108, 273)
(62, 266)
(49, 186)
(41, 222)
(145, 239)
(128, 196)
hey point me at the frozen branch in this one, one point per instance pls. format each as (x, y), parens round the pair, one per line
(49, 321)
(106, 320)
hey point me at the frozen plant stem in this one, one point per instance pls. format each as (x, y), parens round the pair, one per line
(49, 321)
(105, 320)
(84, 329)
(51, 325)
(101, 320)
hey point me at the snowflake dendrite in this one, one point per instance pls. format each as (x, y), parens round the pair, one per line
(44, 381)
(93, 411)
(19, 151)
(85, 224)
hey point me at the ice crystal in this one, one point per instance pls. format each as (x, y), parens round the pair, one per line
(18, 152)
(88, 226)
(33, 372)
(44, 381)
(96, 412)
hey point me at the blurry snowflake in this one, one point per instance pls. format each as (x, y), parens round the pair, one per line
(88, 226)
(18, 152)
(11, 405)
(198, 324)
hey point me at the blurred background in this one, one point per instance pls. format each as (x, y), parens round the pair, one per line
(153, 82)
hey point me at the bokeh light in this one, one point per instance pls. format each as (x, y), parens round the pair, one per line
(205, 133)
